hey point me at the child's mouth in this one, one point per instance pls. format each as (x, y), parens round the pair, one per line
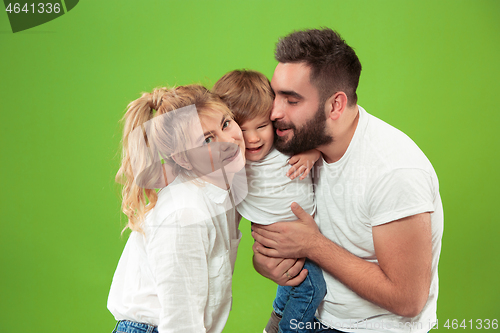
(255, 150)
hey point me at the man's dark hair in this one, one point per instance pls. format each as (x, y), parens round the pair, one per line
(334, 64)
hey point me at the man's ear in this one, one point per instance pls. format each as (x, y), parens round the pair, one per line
(336, 105)
(182, 161)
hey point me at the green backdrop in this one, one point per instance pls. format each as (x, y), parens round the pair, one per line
(430, 68)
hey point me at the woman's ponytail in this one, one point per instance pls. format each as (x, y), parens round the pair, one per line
(135, 198)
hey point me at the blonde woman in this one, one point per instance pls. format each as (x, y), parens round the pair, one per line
(175, 272)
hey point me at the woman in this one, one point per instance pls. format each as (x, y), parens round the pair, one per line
(175, 272)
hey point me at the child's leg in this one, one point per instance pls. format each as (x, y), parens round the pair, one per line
(282, 297)
(297, 305)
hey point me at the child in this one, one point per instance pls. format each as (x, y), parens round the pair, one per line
(175, 271)
(270, 192)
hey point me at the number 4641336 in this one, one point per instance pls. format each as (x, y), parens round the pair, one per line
(32, 8)
(478, 324)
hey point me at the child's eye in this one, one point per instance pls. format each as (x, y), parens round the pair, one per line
(263, 126)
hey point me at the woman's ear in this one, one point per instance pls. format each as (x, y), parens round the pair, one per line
(182, 161)
(336, 105)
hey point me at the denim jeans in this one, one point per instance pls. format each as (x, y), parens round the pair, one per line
(125, 326)
(297, 305)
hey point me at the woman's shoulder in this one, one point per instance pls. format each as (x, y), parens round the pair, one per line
(181, 202)
(179, 188)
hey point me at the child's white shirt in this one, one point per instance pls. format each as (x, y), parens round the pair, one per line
(271, 192)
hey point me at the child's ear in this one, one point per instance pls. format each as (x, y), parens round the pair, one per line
(182, 161)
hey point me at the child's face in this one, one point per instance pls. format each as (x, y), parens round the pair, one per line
(259, 136)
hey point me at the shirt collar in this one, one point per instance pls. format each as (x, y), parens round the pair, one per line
(215, 193)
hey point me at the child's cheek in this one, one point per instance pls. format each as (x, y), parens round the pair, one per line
(245, 139)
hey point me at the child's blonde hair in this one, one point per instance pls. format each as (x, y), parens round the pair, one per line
(136, 192)
(247, 93)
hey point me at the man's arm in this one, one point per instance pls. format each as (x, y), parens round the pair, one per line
(399, 283)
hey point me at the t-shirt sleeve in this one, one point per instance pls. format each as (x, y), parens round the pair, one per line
(177, 255)
(398, 194)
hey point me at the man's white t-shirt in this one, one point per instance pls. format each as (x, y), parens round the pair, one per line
(382, 177)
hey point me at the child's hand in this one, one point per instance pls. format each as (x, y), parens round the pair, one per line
(301, 164)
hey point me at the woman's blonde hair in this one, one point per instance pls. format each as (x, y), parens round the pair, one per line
(247, 93)
(139, 187)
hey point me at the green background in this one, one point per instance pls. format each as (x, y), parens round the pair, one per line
(430, 68)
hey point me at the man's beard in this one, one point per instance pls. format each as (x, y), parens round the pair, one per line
(307, 137)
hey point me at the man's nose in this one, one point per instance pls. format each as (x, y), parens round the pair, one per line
(277, 111)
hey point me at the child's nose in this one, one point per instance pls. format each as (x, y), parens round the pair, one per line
(253, 138)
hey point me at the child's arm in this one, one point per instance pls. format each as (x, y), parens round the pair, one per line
(302, 163)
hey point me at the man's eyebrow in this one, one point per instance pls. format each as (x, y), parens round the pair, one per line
(290, 93)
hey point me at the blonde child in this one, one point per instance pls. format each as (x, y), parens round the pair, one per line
(175, 271)
(270, 191)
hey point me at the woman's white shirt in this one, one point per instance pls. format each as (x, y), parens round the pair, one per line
(178, 275)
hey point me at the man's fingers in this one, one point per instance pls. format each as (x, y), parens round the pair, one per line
(286, 265)
(263, 241)
(299, 212)
(289, 272)
(296, 267)
(255, 245)
(266, 230)
(267, 251)
(298, 279)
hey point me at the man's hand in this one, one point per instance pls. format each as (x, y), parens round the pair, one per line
(287, 239)
(285, 272)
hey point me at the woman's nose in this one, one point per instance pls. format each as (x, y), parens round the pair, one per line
(227, 138)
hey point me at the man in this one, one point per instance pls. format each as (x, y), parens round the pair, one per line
(379, 219)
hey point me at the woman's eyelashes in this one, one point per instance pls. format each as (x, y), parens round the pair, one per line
(210, 138)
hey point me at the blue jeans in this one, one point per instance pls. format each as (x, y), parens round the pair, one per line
(125, 326)
(297, 305)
